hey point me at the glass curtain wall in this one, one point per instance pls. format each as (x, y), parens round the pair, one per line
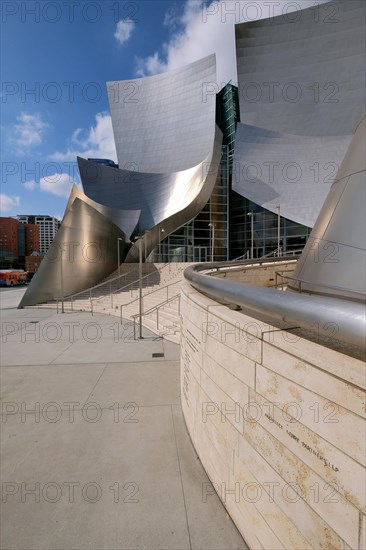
(230, 226)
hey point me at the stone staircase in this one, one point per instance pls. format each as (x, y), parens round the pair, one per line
(118, 295)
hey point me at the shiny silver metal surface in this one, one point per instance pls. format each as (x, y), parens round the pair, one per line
(168, 148)
(172, 145)
(186, 201)
(331, 270)
(271, 169)
(303, 73)
(347, 318)
(165, 123)
(126, 220)
(334, 259)
(83, 252)
(170, 200)
(301, 81)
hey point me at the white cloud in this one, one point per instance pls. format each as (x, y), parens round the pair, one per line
(124, 30)
(97, 143)
(30, 185)
(172, 18)
(58, 184)
(7, 203)
(28, 132)
(205, 28)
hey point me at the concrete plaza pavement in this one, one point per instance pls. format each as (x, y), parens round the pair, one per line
(95, 452)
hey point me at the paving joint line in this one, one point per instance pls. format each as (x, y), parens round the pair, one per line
(96, 383)
(181, 479)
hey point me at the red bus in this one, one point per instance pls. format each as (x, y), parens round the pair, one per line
(9, 277)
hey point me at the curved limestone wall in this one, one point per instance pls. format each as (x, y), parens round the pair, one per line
(279, 425)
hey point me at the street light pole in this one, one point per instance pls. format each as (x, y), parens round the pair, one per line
(145, 250)
(212, 225)
(278, 229)
(251, 214)
(62, 282)
(140, 288)
(161, 230)
(118, 254)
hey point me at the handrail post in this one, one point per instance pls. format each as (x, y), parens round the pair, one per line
(134, 328)
(140, 289)
(91, 307)
(120, 307)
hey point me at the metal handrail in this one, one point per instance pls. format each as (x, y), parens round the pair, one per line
(242, 257)
(108, 281)
(137, 281)
(273, 253)
(212, 268)
(312, 283)
(158, 306)
(124, 288)
(345, 317)
(148, 294)
(151, 310)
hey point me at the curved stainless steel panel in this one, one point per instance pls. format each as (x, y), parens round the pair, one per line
(83, 252)
(334, 258)
(304, 73)
(189, 194)
(302, 88)
(331, 269)
(165, 123)
(271, 168)
(287, 307)
(170, 198)
(126, 220)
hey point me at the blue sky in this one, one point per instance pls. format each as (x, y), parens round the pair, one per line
(56, 57)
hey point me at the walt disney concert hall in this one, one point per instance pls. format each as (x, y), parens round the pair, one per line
(255, 161)
(261, 188)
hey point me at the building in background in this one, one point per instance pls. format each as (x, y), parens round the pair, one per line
(9, 236)
(48, 227)
(28, 241)
(17, 240)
